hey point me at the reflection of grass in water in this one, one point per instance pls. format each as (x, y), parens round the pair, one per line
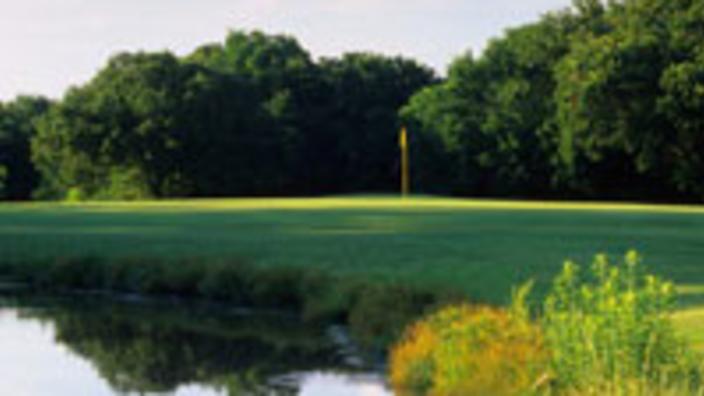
(479, 247)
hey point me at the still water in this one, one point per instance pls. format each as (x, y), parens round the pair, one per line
(93, 346)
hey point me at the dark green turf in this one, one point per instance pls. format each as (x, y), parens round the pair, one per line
(482, 252)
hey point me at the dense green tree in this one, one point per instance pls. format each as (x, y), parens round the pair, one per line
(494, 113)
(449, 114)
(361, 126)
(438, 161)
(251, 116)
(272, 62)
(682, 100)
(334, 123)
(18, 177)
(234, 145)
(623, 93)
(286, 93)
(519, 108)
(601, 100)
(124, 134)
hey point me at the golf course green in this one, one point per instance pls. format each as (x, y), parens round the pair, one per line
(479, 248)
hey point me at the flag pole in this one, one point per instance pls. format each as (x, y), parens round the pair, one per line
(405, 171)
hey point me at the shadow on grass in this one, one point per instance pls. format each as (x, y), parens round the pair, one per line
(690, 296)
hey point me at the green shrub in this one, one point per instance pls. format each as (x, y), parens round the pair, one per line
(610, 328)
(466, 350)
(605, 332)
(71, 273)
(182, 277)
(375, 312)
(379, 312)
(227, 281)
(125, 184)
(142, 276)
(278, 288)
(326, 298)
(75, 194)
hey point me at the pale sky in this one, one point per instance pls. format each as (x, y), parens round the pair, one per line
(48, 45)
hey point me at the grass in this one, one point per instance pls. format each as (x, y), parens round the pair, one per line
(479, 247)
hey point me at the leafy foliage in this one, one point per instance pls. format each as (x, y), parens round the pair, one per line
(611, 329)
(17, 127)
(125, 133)
(253, 116)
(494, 113)
(314, 296)
(622, 102)
(600, 100)
(463, 350)
(608, 332)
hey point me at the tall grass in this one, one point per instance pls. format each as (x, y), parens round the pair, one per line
(376, 312)
(604, 331)
(610, 331)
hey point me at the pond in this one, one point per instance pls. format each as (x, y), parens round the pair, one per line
(97, 346)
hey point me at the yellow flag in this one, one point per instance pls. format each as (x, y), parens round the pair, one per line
(405, 178)
(403, 139)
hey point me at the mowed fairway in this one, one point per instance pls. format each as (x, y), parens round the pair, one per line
(479, 247)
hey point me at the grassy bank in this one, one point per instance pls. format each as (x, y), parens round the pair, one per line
(478, 248)
(376, 312)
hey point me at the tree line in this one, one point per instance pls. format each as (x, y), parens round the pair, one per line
(602, 100)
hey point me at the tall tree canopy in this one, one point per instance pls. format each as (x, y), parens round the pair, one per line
(252, 116)
(600, 101)
(604, 99)
(494, 114)
(18, 177)
(364, 94)
(124, 133)
(629, 100)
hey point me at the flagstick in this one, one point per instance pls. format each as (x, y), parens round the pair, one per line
(405, 173)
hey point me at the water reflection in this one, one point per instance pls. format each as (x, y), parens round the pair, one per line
(69, 347)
